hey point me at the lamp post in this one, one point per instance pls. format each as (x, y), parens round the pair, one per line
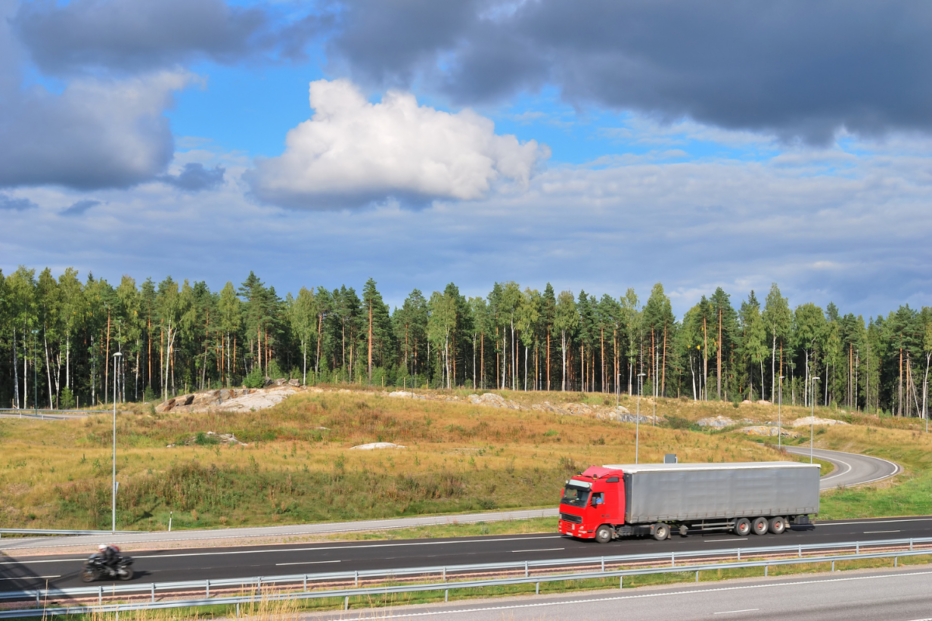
(113, 487)
(637, 418)
(812, 416)
(780, 417)
(35, 375)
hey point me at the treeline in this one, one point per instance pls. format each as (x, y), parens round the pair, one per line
(59, 337)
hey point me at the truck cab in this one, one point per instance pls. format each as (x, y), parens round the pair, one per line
(591, 499)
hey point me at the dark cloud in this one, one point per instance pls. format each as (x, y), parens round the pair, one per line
(95, 134)
(797, 69)
(194, 178)
(80, 208)
(8, 203)
(137, 35)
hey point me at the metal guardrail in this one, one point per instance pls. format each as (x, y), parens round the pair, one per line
(396, 589)
(42, 531)
(447, 571)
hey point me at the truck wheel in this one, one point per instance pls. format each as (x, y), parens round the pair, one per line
(760, 525)
(743, 527)
(777, 525)
(603, 534)
(661, 531)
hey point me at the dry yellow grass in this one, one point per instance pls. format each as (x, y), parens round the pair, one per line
(298, 465)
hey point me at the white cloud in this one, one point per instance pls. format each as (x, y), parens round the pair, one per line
(353, 152)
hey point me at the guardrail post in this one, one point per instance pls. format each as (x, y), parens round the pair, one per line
(153, 592)
(672, 559)
(443, 578)
(207, 589)
(621, 582)
(446, 595)
(697, 575)
(526, 573)
(800, 551)
(765, 570)
(346, 603)
(895, 560)
(833, 566)
(739, 555)
(305, 583)
(603, 564)
(537, 589)
(237, 610)
(100, 595)
(356, 578)
(857, 548)
(910, 544)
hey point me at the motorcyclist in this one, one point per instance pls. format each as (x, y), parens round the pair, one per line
(109, 554)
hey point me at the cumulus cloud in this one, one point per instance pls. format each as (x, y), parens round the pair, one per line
(795, 69)
(353, 152)
(9, 203)
(195, 177)
(80, 208)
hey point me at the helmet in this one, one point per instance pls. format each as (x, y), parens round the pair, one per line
(102, 547)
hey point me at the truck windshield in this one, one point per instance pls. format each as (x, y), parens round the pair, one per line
(575, 496)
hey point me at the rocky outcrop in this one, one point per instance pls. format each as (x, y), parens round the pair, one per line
(376, 445)
(716, 422)
(228, 400)
(806, 421)
(767, 431)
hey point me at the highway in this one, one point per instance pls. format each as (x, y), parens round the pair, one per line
(897, 595)
(24, 572)
(850, 468)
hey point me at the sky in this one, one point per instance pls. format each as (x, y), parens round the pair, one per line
(597, 145)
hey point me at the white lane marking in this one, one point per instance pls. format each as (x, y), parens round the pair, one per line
(309, 549)
(875, 532)
(305, 563)
(837, 474)
(540, 550)
(408, 615)
(31, 578)
(731, 612)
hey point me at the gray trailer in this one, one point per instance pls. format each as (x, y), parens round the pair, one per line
(655, 499)
(714, 496)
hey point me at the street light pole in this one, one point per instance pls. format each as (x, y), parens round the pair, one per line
(780, 417)
(35, 375)
(812, 416)
(637, 419)
(113, 487)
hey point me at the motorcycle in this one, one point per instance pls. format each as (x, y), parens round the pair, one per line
(95, 568)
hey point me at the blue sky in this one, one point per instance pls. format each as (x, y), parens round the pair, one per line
(599, 146)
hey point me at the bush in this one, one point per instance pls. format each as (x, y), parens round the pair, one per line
(149, 394)
(255, 379)
(66, 399)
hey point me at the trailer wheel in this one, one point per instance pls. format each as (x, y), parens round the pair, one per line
(777, 525)
(760, 525)
(603, 534)
(684, 530)
(661, 531)
(743, 527)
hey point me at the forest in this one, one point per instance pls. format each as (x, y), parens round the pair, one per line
(59, 340)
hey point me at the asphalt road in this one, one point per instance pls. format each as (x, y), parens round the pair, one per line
(899, 595)
(216, 563)
(850, 468)
(248, 561)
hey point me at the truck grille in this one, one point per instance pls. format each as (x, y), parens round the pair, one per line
(574, 519)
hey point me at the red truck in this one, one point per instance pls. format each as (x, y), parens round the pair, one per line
(637, 500)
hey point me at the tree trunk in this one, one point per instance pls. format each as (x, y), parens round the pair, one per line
(718, 355)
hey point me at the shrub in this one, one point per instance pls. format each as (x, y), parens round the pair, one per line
(66, 399)
(255, 379)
